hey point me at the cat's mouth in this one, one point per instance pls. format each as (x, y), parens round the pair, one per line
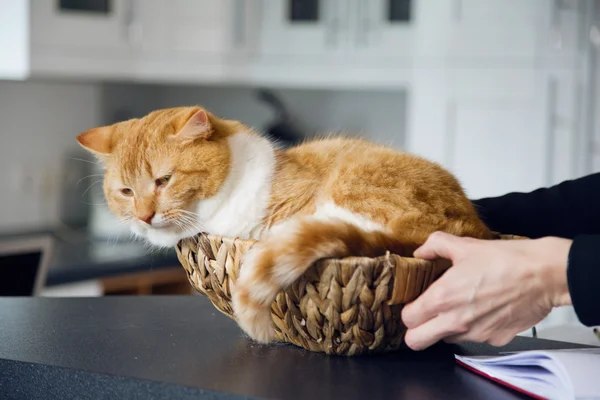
(170, 223)
(165, 228)
(162, 225)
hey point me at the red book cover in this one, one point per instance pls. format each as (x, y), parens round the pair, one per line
(503, 383)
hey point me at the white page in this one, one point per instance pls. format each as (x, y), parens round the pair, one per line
(513, 370)
(583, 369)
(574, 374)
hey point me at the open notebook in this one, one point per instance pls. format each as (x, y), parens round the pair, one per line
(543, 374)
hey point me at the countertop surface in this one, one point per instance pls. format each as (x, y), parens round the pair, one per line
(93, 259)
(78, 256)
(161, 347)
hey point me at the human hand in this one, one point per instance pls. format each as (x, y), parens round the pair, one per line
(494, 289)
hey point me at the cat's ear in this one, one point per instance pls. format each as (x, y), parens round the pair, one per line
(196, 127)
(98, 140)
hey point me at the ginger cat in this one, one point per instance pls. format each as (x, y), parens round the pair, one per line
(177, 172)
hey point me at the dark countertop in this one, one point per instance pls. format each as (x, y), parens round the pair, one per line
(93, 259)
(181, 347)
(79, 257)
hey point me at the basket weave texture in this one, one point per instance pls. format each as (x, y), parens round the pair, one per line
(347, 306)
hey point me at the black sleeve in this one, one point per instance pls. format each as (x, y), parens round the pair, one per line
(570, 210)
(583, 277)
(565, 210)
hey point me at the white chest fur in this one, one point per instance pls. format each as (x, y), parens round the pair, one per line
(239, 207)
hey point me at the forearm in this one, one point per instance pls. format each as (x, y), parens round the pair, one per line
(564, 210)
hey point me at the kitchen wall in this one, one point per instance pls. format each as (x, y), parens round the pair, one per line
(42, 119)
(38, 122)
(377, 115)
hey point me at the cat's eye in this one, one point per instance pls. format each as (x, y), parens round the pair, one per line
(127, 192)
(162, 181)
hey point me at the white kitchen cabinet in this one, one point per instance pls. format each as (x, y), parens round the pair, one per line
(497, 130)
(152, 40)
(290, 43)
(377, 30)
(562, 32)
(500, 31)
(498, 146)
(564, 100)
(103, 29)
(429, 33)
(14, 39)
(336, 30)
(418, 35)
(95, 40)
(449, 33)
(46, 40)
(303, 28)
(193, 27)
(194, 40)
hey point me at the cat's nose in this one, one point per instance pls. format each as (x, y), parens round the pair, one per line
(147, 218)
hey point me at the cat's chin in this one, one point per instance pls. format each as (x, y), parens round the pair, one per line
(159, 237)
(162, 239)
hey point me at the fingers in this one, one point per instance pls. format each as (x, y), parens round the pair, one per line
(433, 331)
(438, 245)
(428, 318)
(425, 307)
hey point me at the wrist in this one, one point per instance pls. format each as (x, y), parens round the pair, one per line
(554, 255)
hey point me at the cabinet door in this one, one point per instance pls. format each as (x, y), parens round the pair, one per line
(83, 25)
(563, 118)
(303, 27)
(382, 28)
(502, 31)
(562, 33)
(494, 129)
(187, 27)
(454, 32)
(519, 141)
(499, 147)
(14, 40)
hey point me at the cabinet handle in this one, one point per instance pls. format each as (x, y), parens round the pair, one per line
(556, 35)
(239, 22)
(133, 30)
(458, 8)
(595, 36)
(127, 19)
(363, 22)
(333, 18)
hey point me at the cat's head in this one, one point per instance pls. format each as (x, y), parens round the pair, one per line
(157, 169)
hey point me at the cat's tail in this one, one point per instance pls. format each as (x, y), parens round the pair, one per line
(290, 249)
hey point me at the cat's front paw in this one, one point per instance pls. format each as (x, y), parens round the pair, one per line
(253, 295)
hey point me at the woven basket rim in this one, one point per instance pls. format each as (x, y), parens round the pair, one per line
(383, 257)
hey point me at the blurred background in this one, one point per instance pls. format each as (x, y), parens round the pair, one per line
(504, 93)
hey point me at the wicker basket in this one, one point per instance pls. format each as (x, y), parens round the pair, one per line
(346, 306)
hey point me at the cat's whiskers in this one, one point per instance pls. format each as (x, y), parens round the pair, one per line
(190, 219)
(85, 177)
(190, 224)
(89, 187)
(186, 212)
(85, 161)
(189, 215)
(179, 225)
(94, 204)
